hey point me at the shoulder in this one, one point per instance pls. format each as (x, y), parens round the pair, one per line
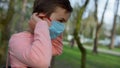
(20, 36)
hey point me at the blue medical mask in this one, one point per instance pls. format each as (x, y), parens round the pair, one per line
(56, 29)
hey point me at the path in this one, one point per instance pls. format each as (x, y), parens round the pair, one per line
(101, 50)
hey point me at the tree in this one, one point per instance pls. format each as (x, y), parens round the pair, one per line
(111, 46)
(118, 26)
(4, 21)
(22, 18)
(78, 19)
(11, 13)
(5, 18)
(98, 25)
(88, 26)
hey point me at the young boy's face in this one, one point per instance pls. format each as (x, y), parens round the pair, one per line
(60, 15)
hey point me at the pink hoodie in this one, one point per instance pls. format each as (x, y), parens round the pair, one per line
(27, 50)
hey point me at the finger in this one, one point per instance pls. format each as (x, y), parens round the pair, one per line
(36, 18)
(35, 14)
(31, 20)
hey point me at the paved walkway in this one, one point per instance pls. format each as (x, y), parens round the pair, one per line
(101, 50)
(104, 51)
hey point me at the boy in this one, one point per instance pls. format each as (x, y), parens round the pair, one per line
(34, 48)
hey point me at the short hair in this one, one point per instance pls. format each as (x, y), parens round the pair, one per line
(49, 6)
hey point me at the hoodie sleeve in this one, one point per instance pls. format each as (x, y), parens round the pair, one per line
(37, 53)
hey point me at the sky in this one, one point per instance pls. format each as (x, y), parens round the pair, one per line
(101, 4)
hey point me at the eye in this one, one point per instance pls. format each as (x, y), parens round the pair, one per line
(60, 20)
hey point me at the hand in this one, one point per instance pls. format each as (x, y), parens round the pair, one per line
(32, 22)
(35, 18)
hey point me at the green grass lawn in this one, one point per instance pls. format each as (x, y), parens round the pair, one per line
(71, 59)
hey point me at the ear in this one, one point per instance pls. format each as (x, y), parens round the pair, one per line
(41, 14)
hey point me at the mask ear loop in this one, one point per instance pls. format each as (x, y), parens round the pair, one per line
(45, 17)
(49, 19)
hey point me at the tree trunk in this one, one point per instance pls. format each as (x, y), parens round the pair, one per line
(4, 23)
(98, 26)
(22, 18)
(95, 43)
(76, 34)
(111, 46)
(82, 50)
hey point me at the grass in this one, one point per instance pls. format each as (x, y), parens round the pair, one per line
(71, 59)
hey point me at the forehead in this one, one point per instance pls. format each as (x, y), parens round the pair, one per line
(62, 13)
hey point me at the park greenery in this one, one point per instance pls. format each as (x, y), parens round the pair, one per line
(83, 32)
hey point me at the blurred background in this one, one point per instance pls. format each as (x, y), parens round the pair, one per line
(91, 37)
